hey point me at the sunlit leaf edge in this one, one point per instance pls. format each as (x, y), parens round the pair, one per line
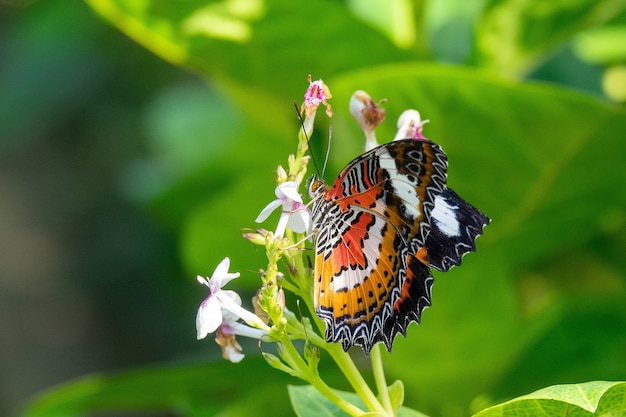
(587, 396)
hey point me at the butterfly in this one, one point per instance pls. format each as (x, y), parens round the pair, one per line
(385, 221)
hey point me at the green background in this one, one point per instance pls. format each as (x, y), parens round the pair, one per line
(138, 138)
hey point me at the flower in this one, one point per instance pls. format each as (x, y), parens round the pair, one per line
(317, 93)
(226, 332)
(231, 349)
(295, 214)
(222, 308)
(257, 237)
(368, 115)
(209, 316)
(410, 125)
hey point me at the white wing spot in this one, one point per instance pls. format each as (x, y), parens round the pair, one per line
(445, 216)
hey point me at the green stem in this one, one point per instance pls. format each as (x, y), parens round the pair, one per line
(347, 366)
(379, 378)
(295, 361)
(354, 377)
(327, 392)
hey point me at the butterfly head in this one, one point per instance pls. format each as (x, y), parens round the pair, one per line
(317, 187)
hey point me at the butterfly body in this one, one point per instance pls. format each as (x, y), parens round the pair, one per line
(377, 237)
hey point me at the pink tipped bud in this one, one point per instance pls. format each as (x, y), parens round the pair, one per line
(317, 93)
(410, 125)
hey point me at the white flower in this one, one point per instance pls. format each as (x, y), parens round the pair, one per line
(410, 125)
(294, 214)
(221, 305)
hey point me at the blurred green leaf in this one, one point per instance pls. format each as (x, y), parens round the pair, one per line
(273, 44)
(598, 398)
(191, 390)
(514, 36)
(188, 128)
(394, 18)
(614, 83)
(450, 28)
(604, 45)
(307, 401)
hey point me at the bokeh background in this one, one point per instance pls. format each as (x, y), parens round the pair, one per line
(137, 139)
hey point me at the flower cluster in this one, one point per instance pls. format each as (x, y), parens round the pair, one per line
(221, 312)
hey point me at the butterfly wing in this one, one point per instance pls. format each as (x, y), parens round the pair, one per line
(454, 226)
(369, 285)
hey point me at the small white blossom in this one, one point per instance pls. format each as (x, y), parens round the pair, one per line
(410, 125)
(294, 214)
(219, 308)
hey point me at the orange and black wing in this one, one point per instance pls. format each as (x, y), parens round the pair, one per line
(372, 224)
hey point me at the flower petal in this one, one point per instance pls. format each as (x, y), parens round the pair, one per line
(299, 221)
(241, 329)
(231, 350)
(288, 189)
(282, 224)
(232, 295)
(209, 317)
(221, 276)
(410, 125)
(221, 270)
(231, 325)
(265, 213)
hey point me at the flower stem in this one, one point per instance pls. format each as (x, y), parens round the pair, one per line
(379, 378)
(347, 366)
(295, 361)
(354, 377)
(327, 392)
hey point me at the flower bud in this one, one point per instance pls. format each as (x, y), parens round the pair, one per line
(258, 237)
(281, 174)
(368, 115)
(410, 125)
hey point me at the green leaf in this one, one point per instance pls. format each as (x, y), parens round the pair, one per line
(598, 398)
(513, 36)
(307, 402)
(261, 43)
(191, 390)
(396, 394)
(604, 45)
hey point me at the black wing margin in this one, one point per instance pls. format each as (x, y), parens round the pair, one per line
(454, 226)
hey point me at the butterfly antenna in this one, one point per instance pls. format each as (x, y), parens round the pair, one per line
(305, 135)
(330, 135)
